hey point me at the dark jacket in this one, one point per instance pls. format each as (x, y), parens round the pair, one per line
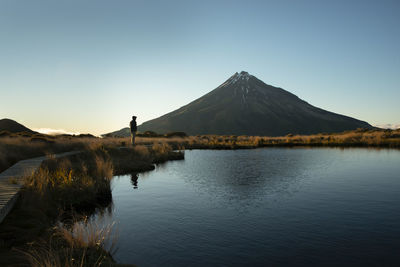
(133, 126)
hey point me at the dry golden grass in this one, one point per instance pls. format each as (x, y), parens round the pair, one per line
(84, 234)
(83, 244)
(67, 183)
(13, 149)
(357, 138)
(161, 148)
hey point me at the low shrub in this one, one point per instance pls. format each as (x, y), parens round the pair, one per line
(176, 134)
(149, 134)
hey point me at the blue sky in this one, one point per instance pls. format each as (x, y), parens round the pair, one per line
(88, 65)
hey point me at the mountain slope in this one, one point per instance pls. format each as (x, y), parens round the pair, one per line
(244, 105)
(13, 126)
(124, 132)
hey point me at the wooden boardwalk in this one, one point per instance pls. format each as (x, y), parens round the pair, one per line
(11, 181)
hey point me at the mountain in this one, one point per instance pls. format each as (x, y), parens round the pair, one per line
(13, 126)
(245, 105)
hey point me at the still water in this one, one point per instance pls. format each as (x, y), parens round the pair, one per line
(262, 207)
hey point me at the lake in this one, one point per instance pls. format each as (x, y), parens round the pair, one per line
(262, 207)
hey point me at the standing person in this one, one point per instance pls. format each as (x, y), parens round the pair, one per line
(133, 127)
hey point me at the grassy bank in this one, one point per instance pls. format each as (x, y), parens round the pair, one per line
(60, 195)
(356, 138)
(15, 147)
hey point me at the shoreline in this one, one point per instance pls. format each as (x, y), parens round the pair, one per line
(70, 202)
(20, 146)
(200, 147)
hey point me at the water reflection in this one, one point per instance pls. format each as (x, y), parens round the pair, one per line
(248, 177)
(243, 176)
(267, 207)
(134, 180)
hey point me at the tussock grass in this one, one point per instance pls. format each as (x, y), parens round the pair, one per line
(83, 244)
(86, 233)
(18, 147)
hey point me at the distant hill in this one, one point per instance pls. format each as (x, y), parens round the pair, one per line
(124, 132)
(245, 105)
(13, 126)
(388, 126)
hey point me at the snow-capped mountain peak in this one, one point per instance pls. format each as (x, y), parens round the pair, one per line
(242, 76)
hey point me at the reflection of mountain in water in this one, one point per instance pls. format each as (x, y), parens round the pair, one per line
(248, 176)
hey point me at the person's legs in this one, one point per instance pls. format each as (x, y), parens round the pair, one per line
(133, 135)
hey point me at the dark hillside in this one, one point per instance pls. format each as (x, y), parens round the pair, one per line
(13, 126)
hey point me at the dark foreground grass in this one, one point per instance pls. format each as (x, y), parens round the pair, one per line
(47, 227)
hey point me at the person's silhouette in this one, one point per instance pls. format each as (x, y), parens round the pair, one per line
(133, 127)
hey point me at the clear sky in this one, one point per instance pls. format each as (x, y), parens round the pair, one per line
(88, 65)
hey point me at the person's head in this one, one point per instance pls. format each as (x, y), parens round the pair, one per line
(133, 117)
